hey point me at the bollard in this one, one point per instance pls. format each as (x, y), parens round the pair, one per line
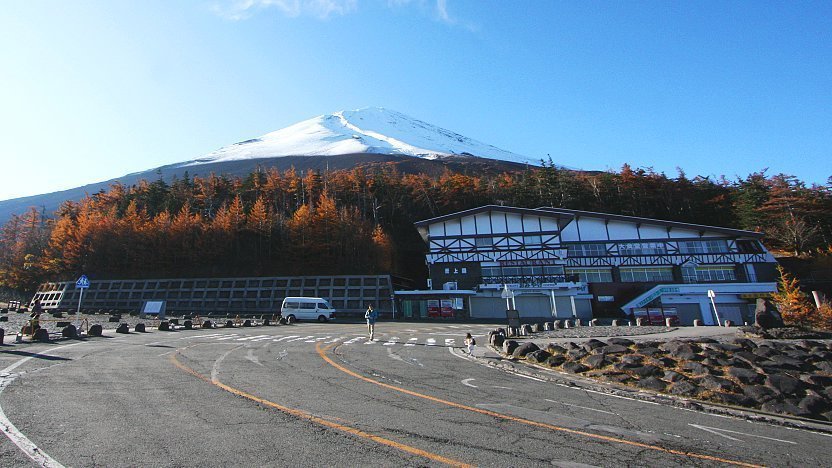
(4, 318)
(140, 328)
(593, 323)
(189, 325)
(123, 328)
(728, 323)
(95, 330)
(668, 322)
(558, 324)
(615, 322)
(567, 324)
(207, 324)
(164, 325)
(2, 335)
(247, 323)
(266, 322)
(229, 324)
(577, 322)
(69, 331)
(640, 321)
(697, 323)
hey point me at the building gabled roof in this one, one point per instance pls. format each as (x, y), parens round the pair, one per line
(660, 222)
(562, 217)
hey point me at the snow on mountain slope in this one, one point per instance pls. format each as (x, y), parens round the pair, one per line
(368, 130)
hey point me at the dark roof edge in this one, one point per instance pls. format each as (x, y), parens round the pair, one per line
(480, 209)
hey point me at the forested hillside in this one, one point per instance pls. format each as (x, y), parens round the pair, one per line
(361, 221)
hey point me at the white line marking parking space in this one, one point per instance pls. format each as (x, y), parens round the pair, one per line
(719, 432)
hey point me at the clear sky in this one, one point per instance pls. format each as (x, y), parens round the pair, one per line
(92, 90)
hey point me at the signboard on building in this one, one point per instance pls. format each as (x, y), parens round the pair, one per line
(606, 298)
(447, 308)
(433, 307)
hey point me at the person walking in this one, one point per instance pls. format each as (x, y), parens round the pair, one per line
(371, 315)
(470, 342)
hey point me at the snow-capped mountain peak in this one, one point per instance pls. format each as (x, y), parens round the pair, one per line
(367, 130)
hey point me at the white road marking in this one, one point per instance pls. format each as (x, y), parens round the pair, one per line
(411, 342)
(579, 406)
(450, 341)
(530, 377)
(251, 357)
(318, 339)
(719, 432)
(370, 342)
(265, 337)
(287, 337)
(431, 342)
(607, 394)
(229, 337)
(298, 339)
(357, 338)
(22, 442)
(335, 339)
(503, 388)
(392, 341)
(467, 383)
(247, 338)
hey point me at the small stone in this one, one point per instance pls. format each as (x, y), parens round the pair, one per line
(652, 383)
(759, 393)
(684, 388)
(817, 380)
(695, 368)
(814, 404)
(574, 367)
(780, 407)
(631, 360)
(732, 399)
(595, 361)
(612, 349)
(716, 383)
(744, 376)
(785, 384)
(650, 351)
(646, 371)
(524, 349)
(556, 360)
(673, 376)
(555, 349)
(576, 354)
(593, 343)
(538, 356)
(620, 341)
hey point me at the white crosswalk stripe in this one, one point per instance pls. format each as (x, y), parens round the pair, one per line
(431, 341)
(298, 339)
(450, 342)
(247, 338)
(229, 337)
(392, 341)
(317, 339)
(411, 342)
(287, 337)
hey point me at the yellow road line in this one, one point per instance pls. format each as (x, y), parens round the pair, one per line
(317, 420)
(322, 353)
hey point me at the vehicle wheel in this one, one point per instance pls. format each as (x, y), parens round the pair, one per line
(321, 318)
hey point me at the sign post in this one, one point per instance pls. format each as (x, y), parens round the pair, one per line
(712, 295)
(508, 295)
(82, 284)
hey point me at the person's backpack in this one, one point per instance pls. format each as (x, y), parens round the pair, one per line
(473, 342)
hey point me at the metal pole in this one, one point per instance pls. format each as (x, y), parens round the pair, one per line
(78, 312)
(718, 321)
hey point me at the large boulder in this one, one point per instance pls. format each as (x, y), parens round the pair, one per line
(612, 349)
(509, 346)
(575, 367)
(522, 350)
(553, 348)
(759, 393)
(684, 388)
(652, 383)
(41, 334)
(592, 344)
(766, 315)
(712, 382)
(646, 371)
(556, 360)
(95, 330)
(123, 328)
(538, 356)
(140, 328)
(744, 376)
(595, 361)
(785, 384)
(620, 341)
(69, 331)
(497, 340)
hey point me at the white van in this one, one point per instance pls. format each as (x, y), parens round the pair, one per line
(307, 308)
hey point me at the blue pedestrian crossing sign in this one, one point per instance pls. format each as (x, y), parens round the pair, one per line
(83, 282)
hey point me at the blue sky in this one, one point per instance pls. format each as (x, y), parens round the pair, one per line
(91, 90)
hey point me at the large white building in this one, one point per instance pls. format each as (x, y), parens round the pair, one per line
(561, 263)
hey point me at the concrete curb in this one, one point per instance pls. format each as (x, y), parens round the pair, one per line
(528, 369)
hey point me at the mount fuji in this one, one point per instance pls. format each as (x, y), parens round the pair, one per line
(341, 140)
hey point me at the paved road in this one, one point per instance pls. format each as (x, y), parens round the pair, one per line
(322, 395)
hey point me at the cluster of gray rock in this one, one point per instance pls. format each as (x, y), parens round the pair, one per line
(772, 376)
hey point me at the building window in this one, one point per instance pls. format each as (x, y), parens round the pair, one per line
(532, 240)
(586, 250)
(483, 241)
(749, 246)
(591, 275)
(447, 271)
(703, 247)
(491, 271)
(713, 273)
(646, 274)
(642, 248)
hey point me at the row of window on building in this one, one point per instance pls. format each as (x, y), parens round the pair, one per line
(690, 274)
(603, 249)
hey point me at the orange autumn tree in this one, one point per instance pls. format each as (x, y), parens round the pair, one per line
(794, 304)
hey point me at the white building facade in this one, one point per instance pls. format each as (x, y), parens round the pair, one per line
(560, 263)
